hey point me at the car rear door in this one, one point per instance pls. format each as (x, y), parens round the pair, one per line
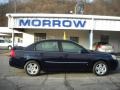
(50, 55)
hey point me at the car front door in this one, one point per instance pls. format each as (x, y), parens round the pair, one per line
(75, 56)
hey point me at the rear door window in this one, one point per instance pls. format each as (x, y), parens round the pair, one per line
(47, 46)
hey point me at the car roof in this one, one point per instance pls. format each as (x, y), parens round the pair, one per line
(54, 40)
(61, 40)
(58, 40)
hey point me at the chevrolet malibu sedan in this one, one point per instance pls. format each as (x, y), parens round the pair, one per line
(63, 55)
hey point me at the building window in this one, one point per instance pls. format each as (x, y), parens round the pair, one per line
(75, 39)
(39, 36)
(104, 38)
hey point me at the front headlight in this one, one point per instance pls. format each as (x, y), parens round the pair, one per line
(114, 57)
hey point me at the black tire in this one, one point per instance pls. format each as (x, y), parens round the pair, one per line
(100, 68)
(32, 68)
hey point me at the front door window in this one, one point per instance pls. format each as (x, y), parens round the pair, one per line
(71, 47)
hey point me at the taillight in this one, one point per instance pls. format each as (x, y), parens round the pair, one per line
(12, 53)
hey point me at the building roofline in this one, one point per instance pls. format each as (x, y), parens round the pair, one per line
(16, 15)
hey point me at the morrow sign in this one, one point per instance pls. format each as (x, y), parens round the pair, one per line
(52, 23)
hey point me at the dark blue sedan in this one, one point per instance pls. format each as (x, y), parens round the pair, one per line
(55, 55)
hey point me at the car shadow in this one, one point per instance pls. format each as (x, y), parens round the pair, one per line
(62, 72)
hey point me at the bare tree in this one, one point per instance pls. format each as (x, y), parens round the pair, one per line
(98, 7)
(103, 7)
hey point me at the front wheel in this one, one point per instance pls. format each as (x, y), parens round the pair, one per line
(100, 68)
(32, 68)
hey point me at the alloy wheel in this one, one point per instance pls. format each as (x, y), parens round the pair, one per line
(100, 68)
(32, 68)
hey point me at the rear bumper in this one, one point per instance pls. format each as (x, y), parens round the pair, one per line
(18, 63)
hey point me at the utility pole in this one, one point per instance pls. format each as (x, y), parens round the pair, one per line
(15, 6)
(79, 7)
(13, 34)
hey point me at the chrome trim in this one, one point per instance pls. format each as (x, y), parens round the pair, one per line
(67, 62)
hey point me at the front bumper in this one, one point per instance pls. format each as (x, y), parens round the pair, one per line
(114, 64)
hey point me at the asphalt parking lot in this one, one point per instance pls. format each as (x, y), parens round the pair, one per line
(16, 79)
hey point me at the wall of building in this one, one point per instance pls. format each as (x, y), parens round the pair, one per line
(114, 40)
(28, 36)
(73, 25)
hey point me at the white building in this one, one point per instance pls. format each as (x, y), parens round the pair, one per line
(84, 29)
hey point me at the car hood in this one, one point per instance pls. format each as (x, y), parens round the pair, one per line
(99, 53)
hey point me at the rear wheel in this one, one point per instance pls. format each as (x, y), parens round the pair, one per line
(100, 68)
(32, 68)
